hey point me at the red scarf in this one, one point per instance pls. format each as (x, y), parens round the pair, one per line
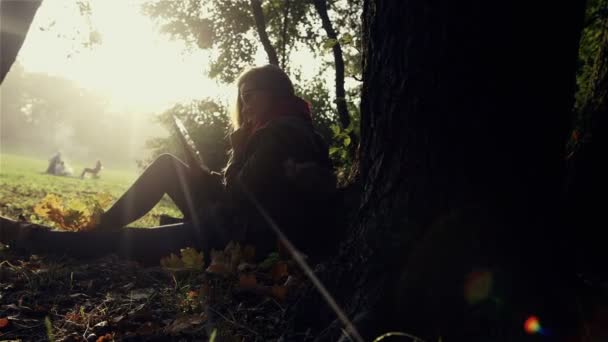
(284, 107)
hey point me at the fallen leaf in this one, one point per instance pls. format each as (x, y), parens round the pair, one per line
(101, 324)
(172, 261)
(233, 255)
(184, 324)
(4, 323)
(247, 281)
(218, 263)
(140, 294)
(248, 254)
(147, 328)
(191, 258)
(105, 338)
(279, 292)
(279, 271)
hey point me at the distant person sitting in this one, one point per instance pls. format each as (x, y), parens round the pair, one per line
(53, 162)
(94, 171)
(62, 169)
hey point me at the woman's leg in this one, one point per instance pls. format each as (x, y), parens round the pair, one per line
(165, 175)
(84, 172)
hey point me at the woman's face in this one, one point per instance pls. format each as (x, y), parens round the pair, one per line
(256, 101)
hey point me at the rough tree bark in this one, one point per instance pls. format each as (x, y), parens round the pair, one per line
(587, 178)
(464, 116)
(260, 24)
(15, 20)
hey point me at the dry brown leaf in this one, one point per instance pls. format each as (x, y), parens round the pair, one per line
(147, 328)
(248, 254)
(4, 323)
(218, 263)
(279, 292)
(279, 271)
(184, 324)
(247, 281)
(233, 255)
(105, 338)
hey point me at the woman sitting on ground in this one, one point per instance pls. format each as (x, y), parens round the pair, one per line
(94, 171)
(278, 164)
(55, 159)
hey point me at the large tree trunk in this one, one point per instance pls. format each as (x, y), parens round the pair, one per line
(15, 19)
(465, 111)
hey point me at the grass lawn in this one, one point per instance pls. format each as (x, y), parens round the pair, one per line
(23, 184)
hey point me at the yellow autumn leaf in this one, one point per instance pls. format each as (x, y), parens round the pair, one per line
(248, 254)
(279, 271)
(172, 261)
(75, 216)
(104, 199)
(191, 258)
(218, 264)
(279, 292)
(247, 281)
(48, 203)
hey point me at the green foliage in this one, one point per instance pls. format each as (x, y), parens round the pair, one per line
(340, 147)
(208, 124)
(226, 27)
(270, 260)
(49, 329)
(228, 30)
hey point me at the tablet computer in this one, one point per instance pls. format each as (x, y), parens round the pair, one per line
(193, 156)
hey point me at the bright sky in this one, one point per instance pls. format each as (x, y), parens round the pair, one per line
(140, 69)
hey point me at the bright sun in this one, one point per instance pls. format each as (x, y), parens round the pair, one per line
(138, 68)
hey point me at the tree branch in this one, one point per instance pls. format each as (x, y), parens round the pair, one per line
(260, 24)
(284, 34)
(16, 18)
(343, 115)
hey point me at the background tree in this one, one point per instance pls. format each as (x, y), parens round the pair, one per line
(234, 30)
(208, 126)
(41, 114)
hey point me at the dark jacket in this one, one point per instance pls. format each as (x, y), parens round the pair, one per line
(285, 167)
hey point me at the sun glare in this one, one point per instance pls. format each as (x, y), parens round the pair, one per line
(137, 67)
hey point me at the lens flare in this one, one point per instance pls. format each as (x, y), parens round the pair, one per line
(532, 325)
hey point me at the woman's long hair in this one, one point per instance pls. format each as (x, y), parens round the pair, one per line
(269, 77)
